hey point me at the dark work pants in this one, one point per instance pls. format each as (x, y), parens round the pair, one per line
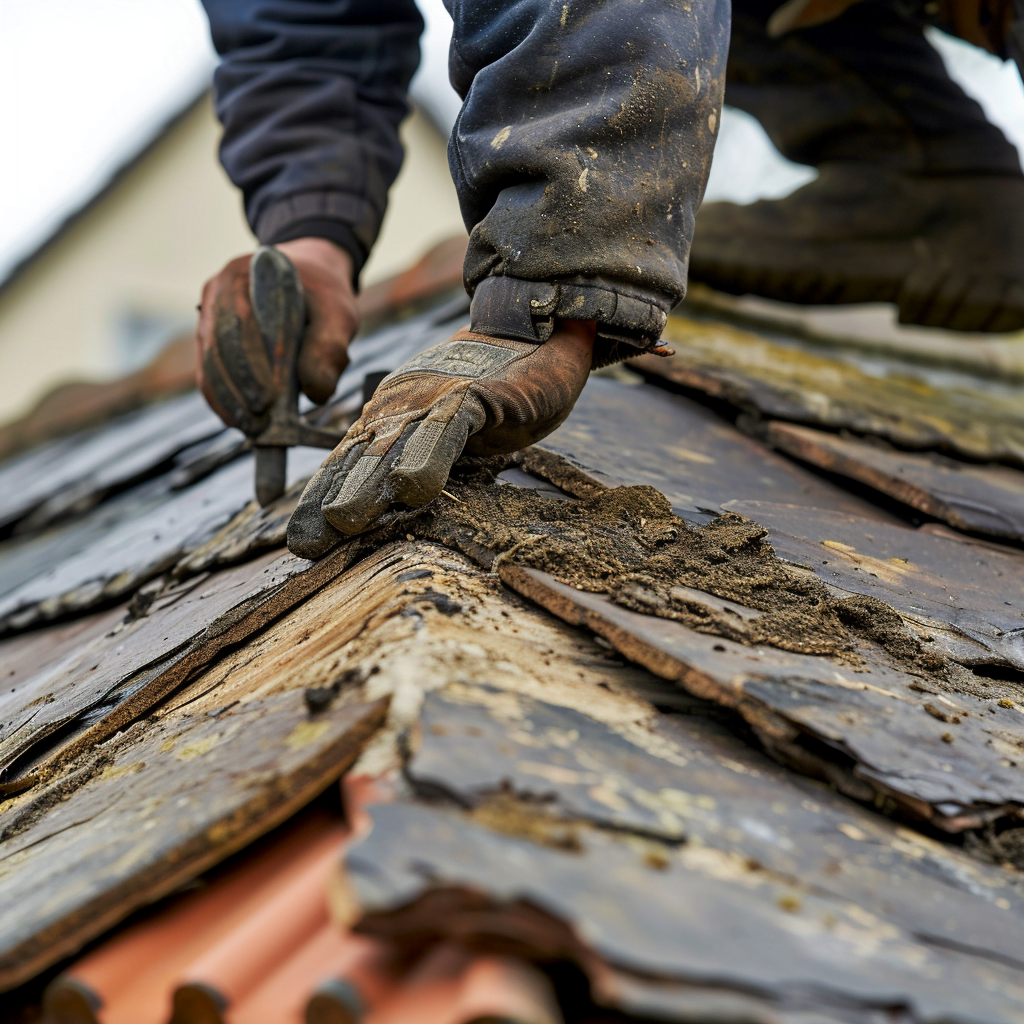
(865, 87)
(580, 155)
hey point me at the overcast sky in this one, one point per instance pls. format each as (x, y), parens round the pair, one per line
(86, 84)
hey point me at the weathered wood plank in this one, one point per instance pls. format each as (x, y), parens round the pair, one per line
(120, 554)
(966, 597)
(128, 552)
(696, 916)
(27, 654)
(110, 680)
(25, 558)
(688, 779)
(252, 736)
(167, 805)
(872, 730)
(777, 381)
(869, 331)
(411, 619)
(982, 498)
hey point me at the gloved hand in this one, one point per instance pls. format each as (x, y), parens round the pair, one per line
(234, 371)
(472, 394)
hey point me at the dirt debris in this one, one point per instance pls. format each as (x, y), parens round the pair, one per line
(627, 543)
(512, 816)
(723, 578)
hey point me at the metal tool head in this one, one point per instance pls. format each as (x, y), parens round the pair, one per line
(279, 308)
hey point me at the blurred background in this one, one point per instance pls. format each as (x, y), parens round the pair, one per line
(114, 209)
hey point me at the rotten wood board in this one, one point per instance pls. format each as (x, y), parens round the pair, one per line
(986, 499)
(965, 597)
(680, 778)
(74, 474)
(128, 818)
(686, 925)
(877, 733)
(167, 802)
(407, 620)
(639, 434)
(110, 680)
(776, 381)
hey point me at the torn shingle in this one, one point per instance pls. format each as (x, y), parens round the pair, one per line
(986, 498)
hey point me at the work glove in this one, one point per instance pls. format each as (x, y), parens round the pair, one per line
(235, 372)
(473, 393)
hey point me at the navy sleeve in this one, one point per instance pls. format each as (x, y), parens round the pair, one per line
(311, 94)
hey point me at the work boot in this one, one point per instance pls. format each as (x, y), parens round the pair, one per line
(949, 251)
(920, 199)
(473, 393)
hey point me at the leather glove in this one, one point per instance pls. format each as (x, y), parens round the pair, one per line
(472, 394)
(234, 370)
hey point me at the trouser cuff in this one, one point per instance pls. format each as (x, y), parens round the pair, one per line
(629, 320)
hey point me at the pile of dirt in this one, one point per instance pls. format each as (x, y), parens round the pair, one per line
(627, 543)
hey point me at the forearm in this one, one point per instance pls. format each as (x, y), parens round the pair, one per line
(581, 156)
(311, 95)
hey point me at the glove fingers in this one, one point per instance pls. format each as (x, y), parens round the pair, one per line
(225, 398)
(310, 535)
(422, 468)
(364, 496)
(242, 350)
(368, 486)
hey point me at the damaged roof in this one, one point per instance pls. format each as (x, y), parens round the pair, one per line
(708, 707)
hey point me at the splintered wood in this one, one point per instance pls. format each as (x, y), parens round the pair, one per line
(658, 854)
(552, 782)
(227, 757)
(255, 735)
(111, 678)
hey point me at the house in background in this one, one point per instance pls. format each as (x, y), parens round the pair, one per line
(122, 277)
(117, 210)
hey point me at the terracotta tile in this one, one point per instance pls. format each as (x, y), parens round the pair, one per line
(428, 995)
(284, 916)
(507, 989)
(353, 972)
(451, 985)
(130, 977)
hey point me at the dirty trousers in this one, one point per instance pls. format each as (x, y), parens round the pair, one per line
(580, 155)
(867, 88)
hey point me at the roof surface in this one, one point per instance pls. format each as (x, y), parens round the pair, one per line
(706, 708)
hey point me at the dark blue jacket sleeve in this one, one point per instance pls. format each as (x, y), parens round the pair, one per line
(311, 94)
